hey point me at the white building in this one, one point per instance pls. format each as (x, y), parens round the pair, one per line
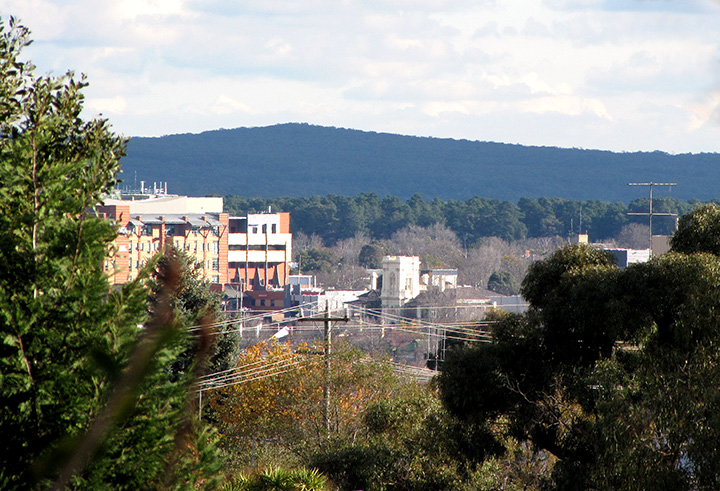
(439, 278)
(626, 257)
(401, 280)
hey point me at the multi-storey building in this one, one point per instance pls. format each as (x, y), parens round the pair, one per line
(204, 236)
(251, 252)
(260, 250)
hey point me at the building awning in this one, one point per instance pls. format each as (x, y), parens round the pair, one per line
(214, 222)
(197, 222)
(174, 221)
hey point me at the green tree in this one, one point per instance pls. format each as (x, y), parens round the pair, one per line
(371, 255)
(698, 231)
(406, 442)
(318, 260)
(502, 282)
(67, 337)
(192, 301)
(612, 372)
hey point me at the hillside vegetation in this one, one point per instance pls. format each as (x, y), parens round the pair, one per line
(301, 160)
(334, 218)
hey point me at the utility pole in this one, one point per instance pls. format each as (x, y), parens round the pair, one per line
(650, 212)
(327, 351)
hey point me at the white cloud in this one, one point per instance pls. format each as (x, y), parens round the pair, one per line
(112, 105)
(552, 72)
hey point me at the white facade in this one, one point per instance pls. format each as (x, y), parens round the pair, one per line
(626, 257)
(401, 280)
(439, 278)
(161, 204)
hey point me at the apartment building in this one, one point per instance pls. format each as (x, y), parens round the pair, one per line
(140, 236)
(252, 252)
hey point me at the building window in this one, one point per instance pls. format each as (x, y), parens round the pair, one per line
(274, 228)
(216, 264)
(408, 284)
(254, 229)
(264, 228)
(216, 247)
(216, 279)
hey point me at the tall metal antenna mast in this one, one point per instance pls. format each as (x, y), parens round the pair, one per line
(650, 213)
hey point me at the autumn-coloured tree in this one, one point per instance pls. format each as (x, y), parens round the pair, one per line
(274, 396)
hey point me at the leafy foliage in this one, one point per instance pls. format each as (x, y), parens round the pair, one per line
(371, 256)
(77, 377)
(276, 395)
(318, 260)
(612, 372)
(409, 442)
(502, 282)
(699, 231)
(279, 479)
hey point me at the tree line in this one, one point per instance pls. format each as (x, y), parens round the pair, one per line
(334, 218)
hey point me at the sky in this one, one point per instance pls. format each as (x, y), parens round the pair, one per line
(620, 75)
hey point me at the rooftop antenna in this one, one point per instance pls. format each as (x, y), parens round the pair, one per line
(650, 212)
(580, 224)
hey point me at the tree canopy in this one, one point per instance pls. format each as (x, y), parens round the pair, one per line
(334, 218)
(612, 372)
(86, 400)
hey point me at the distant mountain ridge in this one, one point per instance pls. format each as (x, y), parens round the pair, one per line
(298, 159)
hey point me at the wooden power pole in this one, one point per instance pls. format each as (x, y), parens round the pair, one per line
(327, 351)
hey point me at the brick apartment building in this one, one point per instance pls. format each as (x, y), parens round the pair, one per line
(251, 253)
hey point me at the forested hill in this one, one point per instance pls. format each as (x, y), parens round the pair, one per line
(303, 160)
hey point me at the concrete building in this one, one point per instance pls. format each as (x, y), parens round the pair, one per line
(260, 250)
(401, 280)
(660, 244)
